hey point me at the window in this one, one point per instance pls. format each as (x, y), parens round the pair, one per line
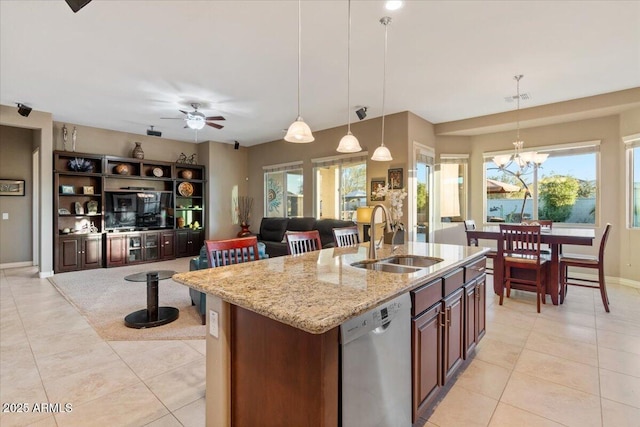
(283, 190)
(632, 144)
(453, 187)
(562, 189)
(341, 186)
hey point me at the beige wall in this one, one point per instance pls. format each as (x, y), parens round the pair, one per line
(368, 132)
(41, 123)
(16, 163)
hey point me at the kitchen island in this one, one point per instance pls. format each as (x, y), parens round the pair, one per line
(273, 343)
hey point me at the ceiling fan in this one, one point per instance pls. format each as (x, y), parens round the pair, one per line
(197, 120)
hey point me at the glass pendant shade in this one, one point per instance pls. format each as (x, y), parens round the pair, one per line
(382, 154)
(349, 144)
(299, 132)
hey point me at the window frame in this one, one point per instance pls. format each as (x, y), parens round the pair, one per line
(582, 147)
(631, 143)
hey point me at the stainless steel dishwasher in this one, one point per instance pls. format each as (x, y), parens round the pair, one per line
(376, 366)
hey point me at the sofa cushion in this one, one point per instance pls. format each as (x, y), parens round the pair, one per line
(301, 224)
(325, 228)
(273, 229)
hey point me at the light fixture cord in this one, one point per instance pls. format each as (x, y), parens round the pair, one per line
(349, 69)
(385, 21)
(299, 52)
(518, 77)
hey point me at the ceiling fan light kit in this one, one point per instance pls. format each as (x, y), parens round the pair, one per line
(349, 143)
(382, 153)
(299, 132)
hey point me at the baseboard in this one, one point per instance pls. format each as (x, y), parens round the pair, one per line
(609, 279)
(45, 274)
(16, 264)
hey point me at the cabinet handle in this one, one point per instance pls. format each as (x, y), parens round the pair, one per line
(442, 316)
(449, 316)
(166, 243)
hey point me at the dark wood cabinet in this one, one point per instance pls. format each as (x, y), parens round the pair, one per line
(79, 253)
(448, 320)
(189, 242)
(453, 333)
(426, 345)
(84, 183)
(116, 250)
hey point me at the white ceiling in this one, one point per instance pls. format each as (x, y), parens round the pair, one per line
(123, 65)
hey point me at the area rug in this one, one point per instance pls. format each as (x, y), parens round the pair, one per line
(104, 298)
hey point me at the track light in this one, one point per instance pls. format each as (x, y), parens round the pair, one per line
(236, 145)
(76, 5)
(152, 132)
(23, 110)
(361, 113)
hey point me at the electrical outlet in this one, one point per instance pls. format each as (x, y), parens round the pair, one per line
(5, 215)
(213, 323)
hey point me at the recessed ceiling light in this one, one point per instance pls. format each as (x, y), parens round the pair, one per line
(393, 4)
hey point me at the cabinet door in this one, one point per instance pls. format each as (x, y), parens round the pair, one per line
(92, 252)
(151, 246)
(470, 318)
(69, 254)
(481, 308)
(135, 248)
(454, 332)
(426, 351)
(197, 240)
(116, 250)
(182, 243)
(167, 245)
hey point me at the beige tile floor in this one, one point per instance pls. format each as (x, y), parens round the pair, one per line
(571, 365)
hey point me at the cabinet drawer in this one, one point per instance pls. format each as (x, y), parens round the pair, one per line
(453, 281)
(475, 269)
(425, 296)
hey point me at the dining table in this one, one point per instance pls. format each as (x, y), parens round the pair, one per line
(555, 237)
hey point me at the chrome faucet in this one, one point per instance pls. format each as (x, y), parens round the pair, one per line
(372, 228)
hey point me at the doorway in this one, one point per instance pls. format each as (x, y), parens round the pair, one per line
(421, 187)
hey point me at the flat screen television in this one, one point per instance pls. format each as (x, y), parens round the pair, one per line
(141, 210)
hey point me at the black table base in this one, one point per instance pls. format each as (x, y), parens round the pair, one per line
(153, 315)
(140, 319)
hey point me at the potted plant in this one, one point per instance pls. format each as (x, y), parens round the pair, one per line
(395, 198)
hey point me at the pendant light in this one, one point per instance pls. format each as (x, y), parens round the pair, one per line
(299, 131)
(349, 143)
(382, 153)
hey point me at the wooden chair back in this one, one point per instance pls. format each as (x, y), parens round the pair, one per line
(545, 224)
(300, 242)
(346, 236)
(232, 251)
(603, 243)
(470, 224)
(519, 241)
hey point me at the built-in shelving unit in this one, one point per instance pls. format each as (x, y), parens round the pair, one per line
(93, 231)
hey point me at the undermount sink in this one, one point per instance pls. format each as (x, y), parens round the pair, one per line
(387, 268)
(412, 260)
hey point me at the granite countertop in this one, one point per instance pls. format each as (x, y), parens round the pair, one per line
(317, 291)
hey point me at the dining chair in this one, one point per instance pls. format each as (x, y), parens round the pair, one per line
(545, 225)
(232, 251)
(303, 241)
(346, 236)
(519, 247)
(470, 224)
(585, 261)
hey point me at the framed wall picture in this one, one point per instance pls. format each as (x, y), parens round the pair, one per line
(396, 178)
(11, 187)
(87, 189)
(375, 184)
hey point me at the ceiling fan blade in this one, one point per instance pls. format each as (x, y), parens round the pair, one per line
(214, 118)
(172, 118)
(215, 125)
(183, 112)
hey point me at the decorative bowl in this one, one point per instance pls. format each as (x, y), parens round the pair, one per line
(80, 165)
(187, 174)
(121, 169)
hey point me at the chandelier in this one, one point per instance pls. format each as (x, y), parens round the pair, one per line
(526, 161)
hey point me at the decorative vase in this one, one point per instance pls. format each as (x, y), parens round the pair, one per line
(245, 230)
(187, 174)
(137, 152)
